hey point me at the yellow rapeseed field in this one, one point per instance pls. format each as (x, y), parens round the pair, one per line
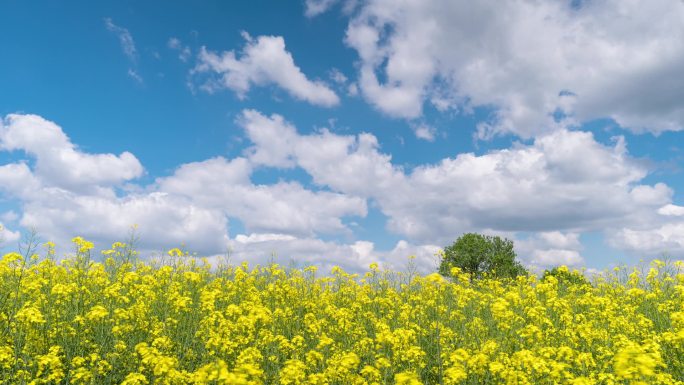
(130, 322)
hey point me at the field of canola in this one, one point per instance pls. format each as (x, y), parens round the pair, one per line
(129, 322)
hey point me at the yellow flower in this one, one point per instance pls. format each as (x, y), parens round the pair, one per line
(97, 313)
(6, 357)
(185, 322)
(634, 362)
(434, 278)
(135, 379)
(30, 315)
(82, 246)
(371, 374)
(582, 381)
(50, 366)
(293, 373)
(407, 378)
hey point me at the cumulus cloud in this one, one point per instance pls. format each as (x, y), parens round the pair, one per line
(58, 214)
(656, 232)
(539, 65)
(192, 206)
(354, 257)
(163, 220)
(671, 210)
(553, 189)
(546, 249)
(667, 238)
(284, 207)
(425, 132)
(556, 257)
(349, 164)
(565, 181)
(8, 236)
(9, 216)
(658, 194)
(65, 192)
(59, 162)
(263, 61)
(273, 139)
(17, 180)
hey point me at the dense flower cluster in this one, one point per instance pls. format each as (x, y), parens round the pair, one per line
(123, 321)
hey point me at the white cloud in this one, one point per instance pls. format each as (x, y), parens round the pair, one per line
(562, 184)
(9, 216)
(8, 236)
(563, 181)
(425, 132)
(553, 248)
(671, 210)
(316, 7)
(59, 162)
(349, 164)
(338, 77)
(658, 194)
(426, 258)
(133, 74)
(555, 257)
(125, 39)
(263, 61)
(651, 242)
(272, 136)
(528, 60)
(66, 192)
(163, 220)
(263, 237)
(355, 257)
(127, 46)
(284, 207)
(342, 82)
(560, 240)
(184, 51)
(284, 250)
(192, 205)
(17, 180)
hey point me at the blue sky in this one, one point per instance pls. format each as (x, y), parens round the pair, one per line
(335, 132)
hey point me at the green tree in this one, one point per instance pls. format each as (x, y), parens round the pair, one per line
(477, 254)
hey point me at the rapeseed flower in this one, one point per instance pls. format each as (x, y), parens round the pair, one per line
(181, 321)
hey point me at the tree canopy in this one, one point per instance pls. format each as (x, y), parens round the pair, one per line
(477, 254)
